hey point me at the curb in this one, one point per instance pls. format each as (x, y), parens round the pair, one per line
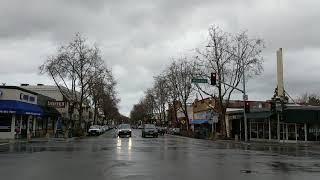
(252, 143)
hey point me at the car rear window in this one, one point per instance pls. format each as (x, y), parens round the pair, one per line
(124, 126)
(149, 126)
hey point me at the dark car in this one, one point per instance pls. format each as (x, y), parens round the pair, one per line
(149, 130)
(161, 130)
(124, 130)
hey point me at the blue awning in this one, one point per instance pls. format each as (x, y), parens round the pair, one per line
(199, 121)
(17, 107)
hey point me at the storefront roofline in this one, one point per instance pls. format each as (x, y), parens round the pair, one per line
(19, 88)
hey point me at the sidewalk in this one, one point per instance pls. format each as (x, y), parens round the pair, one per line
(43, 139)
(260, 143)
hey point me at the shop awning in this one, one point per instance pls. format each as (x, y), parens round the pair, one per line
(199, 121)
(16, 107)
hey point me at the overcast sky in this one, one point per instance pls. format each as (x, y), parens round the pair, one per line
(138, 38)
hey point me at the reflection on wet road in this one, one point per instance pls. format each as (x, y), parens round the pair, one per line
(166, 157)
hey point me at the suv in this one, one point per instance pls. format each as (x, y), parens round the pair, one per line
(95, 130)
(124, 130)
(149, 130)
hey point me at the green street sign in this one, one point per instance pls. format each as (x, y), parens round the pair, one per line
(198, 80)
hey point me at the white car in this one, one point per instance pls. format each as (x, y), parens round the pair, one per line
(106, 128)
(95, 130)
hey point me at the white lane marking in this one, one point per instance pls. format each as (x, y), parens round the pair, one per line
(3, 144)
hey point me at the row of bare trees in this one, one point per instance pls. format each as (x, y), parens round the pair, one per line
(83, 78)
(228, 55)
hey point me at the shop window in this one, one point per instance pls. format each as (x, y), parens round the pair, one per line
(291, 132)
(301, 132)
(254, 130)
(39, 124)
(266, 130)
(50, 123)
(274, 131)
(314, 133)
(260, 131)
(5, 122)
(283, 133)
(32, 99)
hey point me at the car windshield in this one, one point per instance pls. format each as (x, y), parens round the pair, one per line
(94, 127)
(149, 126)
(124, 126)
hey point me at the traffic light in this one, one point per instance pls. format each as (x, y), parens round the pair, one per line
(213, 79)
(247, 107)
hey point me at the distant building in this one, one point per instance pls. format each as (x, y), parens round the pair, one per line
(62, 103)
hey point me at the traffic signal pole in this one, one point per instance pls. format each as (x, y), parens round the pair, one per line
(213, 82)
(244, 104)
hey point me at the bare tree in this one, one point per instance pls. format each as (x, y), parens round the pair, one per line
(161, 95)
(102, 93)
(309, 99)
(178, 77)
(139, 112)
(229, 56)
(74, 67)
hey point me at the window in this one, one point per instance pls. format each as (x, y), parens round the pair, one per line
(254, 130)
(5, 122)
(32, 99)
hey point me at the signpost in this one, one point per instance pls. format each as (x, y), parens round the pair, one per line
(199, 80)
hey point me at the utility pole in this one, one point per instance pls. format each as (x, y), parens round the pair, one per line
(244, 104)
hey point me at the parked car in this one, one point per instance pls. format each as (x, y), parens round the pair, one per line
(105, 128)
(124, 130)
(161, 130)
(149, 130)
(175, 131)
(95, 130)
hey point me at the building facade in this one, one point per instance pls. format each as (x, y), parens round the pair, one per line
(63, 104)
(293, 124)
(19, 112)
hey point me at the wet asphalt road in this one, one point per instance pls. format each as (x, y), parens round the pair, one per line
(166, 157)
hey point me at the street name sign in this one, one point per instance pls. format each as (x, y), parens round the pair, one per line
(199, 80)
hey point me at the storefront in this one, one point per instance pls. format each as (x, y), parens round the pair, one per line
(19, 112)
(296, 124)
(17, 119)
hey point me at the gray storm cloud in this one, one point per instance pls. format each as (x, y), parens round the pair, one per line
(139, 38)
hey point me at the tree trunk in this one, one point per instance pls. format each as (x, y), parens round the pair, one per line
(186, 115)
(223, 123)
(95, 113)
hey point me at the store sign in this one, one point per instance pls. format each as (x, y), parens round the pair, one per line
(57, 104)
(7, 112)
